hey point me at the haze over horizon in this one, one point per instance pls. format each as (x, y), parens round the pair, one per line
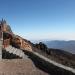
(40, 19)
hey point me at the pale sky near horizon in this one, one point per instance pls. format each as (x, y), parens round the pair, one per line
(40, 19)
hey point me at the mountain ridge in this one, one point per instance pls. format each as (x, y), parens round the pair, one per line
(64, 45)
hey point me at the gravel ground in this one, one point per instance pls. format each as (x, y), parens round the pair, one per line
(19, 67)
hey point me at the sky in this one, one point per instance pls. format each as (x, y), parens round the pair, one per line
(40, 19)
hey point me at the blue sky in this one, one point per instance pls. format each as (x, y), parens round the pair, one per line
(40, 19)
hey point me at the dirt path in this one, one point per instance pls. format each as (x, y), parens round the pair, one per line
(19, 67)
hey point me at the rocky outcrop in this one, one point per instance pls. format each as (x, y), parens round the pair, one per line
(19, 42)
(9, 38)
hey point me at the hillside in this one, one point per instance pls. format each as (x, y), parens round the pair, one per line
(57, 55)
